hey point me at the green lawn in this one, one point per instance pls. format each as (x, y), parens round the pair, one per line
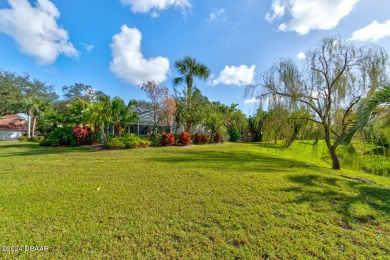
(212, 201)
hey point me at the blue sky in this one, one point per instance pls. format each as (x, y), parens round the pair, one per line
(115, 45)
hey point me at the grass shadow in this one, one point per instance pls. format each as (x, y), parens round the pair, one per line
(371, 198)
(235, 160)
(32, 149)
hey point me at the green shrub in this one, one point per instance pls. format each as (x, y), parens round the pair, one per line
(234, 135)
(61, 136)
(133, 141)
(36, 138)
(155, 139)
(143, 143)
(115, 144)
(23, 138)
(375, 160)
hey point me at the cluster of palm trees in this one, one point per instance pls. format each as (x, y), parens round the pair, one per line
(33, 108)
(101, 114)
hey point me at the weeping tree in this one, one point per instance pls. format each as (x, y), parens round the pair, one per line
(334, 78)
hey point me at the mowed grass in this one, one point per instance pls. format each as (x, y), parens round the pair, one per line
(244, 200)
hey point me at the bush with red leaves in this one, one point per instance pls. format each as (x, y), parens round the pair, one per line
(80, 134)
(217, 138)
(185, 138)
(167, 139)
(197, 138)
(205, 138)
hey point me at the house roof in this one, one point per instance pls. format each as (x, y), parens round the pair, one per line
(12, 121)
(141, 110)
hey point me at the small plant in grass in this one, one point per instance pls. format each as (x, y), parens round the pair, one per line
(205, 138)
(167, 139)
(185, 138)
(198, 138)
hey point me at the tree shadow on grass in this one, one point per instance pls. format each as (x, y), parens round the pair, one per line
(343, 194)
(33, 149)
(240, 161)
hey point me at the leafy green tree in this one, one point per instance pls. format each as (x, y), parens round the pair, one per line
(189, 68)
(10, 92)
(336, 76)
(77, 112)
(256, 125)
(82, 91)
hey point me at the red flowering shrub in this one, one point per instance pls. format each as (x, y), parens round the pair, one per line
(205, 138)
(197, 138)
(185, 138)
(217, 138)
(80, 134)
(167, 139)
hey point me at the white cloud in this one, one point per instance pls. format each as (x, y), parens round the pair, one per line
(128, 62)
(144, 6)
(36, 31)
(238, 76)
(252, 101)
(301, 56)
(372, 32)
(307, 15)
(88, 47)
(278, 11)
(214, 15)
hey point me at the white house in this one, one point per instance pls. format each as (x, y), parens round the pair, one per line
(12, 127)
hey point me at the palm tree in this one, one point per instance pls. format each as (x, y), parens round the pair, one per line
(38, 107)
(367, 107)
(121, 114)
(28, 104)
(189, 68)
(77, 111)
(100, 114)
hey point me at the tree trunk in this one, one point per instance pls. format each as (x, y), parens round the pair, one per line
(188, 126)
(335, 158)
(34, 122)
(331, 148)
(189, 105)
(117, 129)
(28, 125)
